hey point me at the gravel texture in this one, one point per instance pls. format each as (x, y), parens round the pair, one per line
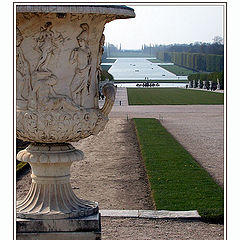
(113, 173)
(151, 229)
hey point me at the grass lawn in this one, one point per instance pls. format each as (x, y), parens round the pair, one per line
(172, 96)
(106, 67)
(155, 60)
(179, 71)
(177, 181)
(107, 60)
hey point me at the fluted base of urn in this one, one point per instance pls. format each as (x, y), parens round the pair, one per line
(50, 195)
(54, 201)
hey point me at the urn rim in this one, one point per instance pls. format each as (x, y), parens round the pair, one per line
(120, 11)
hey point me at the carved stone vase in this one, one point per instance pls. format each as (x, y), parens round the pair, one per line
(58, 57)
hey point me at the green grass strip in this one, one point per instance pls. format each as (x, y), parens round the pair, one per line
(172, 96)
(177, 181)
(178, 70)
(156, 60)
(107, 60)
(106, 67)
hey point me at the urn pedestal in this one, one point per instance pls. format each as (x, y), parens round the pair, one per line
(58, 57)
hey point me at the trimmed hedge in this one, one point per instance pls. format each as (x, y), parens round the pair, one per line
(196, 61)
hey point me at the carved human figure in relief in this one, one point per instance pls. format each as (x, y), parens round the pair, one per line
(99, 69)
(24, 81)
(46, 46)
(45, 98)
(81, 56)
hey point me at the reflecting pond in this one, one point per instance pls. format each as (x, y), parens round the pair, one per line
(140, 69)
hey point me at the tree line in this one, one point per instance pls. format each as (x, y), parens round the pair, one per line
(216, 47)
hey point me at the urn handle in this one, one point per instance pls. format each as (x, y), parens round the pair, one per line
(109, 91)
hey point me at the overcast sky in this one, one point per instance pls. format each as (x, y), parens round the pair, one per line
(161, 24)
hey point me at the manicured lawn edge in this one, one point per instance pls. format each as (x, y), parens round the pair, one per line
(173, 96)
(177, 181)
(178, 70)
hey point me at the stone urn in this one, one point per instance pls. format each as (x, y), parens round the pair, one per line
(58, 57)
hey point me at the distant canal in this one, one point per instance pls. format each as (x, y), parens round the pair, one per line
(142, 69)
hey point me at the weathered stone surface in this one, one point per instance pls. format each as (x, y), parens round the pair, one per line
(50, 195)
(168, 214)
(58, 58)
(60, 236)
(150, 214)
(58, 70)
(89, 223)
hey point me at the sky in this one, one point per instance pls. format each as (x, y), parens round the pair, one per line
(166, 24)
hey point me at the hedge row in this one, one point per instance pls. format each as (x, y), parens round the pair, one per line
(196, 61)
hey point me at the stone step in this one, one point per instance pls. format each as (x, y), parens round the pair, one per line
(150, 214)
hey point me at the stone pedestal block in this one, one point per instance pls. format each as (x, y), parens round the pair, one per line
(60, 229)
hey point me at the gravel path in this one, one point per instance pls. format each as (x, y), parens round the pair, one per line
(151, 229)
(113, 174)
(199, 128)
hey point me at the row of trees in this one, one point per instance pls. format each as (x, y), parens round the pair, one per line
(216, 47)
(208, 48)
(214, 76)
(196, 61)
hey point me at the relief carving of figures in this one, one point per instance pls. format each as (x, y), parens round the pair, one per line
(24, 81)
(81, 56)
(46, 45)
(45, 98)
(99, 69)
